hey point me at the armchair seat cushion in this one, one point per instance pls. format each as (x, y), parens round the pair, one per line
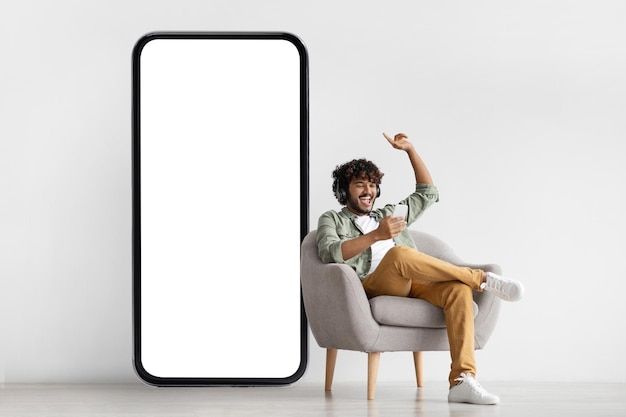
(408, 312)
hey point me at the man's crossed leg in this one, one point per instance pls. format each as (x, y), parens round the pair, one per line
(406, 272)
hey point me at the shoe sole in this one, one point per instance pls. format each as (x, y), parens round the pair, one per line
(469, 402)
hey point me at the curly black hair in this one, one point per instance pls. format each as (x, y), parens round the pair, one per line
(357, 168)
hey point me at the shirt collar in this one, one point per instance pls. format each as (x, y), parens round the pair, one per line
(352, 215)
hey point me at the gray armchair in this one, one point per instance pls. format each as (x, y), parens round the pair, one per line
(341, 316)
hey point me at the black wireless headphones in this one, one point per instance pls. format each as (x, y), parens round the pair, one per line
(341, 194)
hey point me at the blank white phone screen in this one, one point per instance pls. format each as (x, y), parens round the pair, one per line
(220, 208)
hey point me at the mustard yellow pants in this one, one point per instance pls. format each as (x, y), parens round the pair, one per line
(407, 272)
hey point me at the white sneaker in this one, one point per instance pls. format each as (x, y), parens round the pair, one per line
(505, 288)
(470, 391)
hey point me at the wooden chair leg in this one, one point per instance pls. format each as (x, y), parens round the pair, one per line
(331, 358)
(373, 358)
(419, 366)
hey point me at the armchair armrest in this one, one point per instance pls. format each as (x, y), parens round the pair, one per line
(336, 306)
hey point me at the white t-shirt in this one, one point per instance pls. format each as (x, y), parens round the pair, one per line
(380, 248)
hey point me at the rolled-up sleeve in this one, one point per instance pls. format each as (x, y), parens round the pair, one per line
(328, 242)
(423, 197)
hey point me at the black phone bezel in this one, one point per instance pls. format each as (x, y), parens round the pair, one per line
(141, 372)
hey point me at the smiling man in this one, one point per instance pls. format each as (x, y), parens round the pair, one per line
(380, 249)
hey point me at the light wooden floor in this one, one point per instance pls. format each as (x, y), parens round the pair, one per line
(347, 399)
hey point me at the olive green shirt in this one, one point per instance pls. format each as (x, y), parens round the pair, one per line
(334, 228)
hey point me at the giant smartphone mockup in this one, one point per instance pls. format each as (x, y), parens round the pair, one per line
(220, 208)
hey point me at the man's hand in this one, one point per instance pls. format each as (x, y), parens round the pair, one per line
(389, 227)
(399, 141)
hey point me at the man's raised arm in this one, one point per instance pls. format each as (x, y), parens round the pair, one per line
(401, 141)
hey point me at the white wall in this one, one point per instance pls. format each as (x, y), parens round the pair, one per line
(517, 109)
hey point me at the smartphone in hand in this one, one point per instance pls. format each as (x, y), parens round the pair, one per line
(400, 210)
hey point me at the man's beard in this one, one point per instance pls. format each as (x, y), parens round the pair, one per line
(353, 204)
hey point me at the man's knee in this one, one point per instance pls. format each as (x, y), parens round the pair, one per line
(398, 252)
